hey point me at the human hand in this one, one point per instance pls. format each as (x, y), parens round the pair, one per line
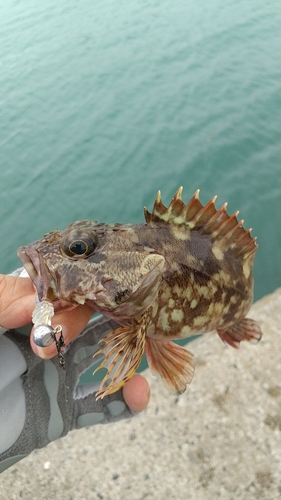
(17, 302)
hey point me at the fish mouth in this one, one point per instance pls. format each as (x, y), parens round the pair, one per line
(43, 279)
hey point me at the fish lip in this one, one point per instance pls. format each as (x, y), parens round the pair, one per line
(44, 281)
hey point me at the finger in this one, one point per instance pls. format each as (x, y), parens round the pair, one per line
(72, 323)
(17, 301)
(137, 393)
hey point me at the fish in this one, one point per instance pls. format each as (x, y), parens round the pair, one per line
(187, 270)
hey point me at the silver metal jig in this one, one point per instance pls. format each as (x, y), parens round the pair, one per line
(44, 334)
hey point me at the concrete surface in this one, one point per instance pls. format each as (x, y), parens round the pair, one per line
(219, 440)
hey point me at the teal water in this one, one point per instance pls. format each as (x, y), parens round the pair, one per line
(104, 103)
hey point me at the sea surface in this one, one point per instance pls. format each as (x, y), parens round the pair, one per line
(104, 103)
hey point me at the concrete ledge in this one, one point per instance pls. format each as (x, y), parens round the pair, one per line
(219, 440)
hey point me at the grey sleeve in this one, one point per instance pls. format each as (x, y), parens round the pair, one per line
(41, 402)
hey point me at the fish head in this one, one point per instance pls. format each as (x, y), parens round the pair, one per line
(98, 264)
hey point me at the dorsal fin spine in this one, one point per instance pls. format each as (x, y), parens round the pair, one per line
(249, 249)
(147, 215)
(196, 218)
(226, 223)
(214, 223)
(178, 195)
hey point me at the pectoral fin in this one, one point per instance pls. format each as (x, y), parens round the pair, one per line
(246, 329)
(123, 349)
(171, 362)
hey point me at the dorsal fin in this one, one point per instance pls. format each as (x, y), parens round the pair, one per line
(224, 229)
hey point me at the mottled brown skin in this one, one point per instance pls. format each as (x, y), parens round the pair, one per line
(210, 293)
(198, 292)
(188, 268)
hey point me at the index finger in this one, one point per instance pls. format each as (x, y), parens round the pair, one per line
(17, 301)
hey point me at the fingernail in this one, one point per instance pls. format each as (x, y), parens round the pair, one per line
(42, 353)
(148, 394)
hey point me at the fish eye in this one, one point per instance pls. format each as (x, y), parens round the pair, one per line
(82, 246)
(79, 247)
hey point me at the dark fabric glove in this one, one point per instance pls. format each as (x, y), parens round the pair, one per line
(44, 401)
